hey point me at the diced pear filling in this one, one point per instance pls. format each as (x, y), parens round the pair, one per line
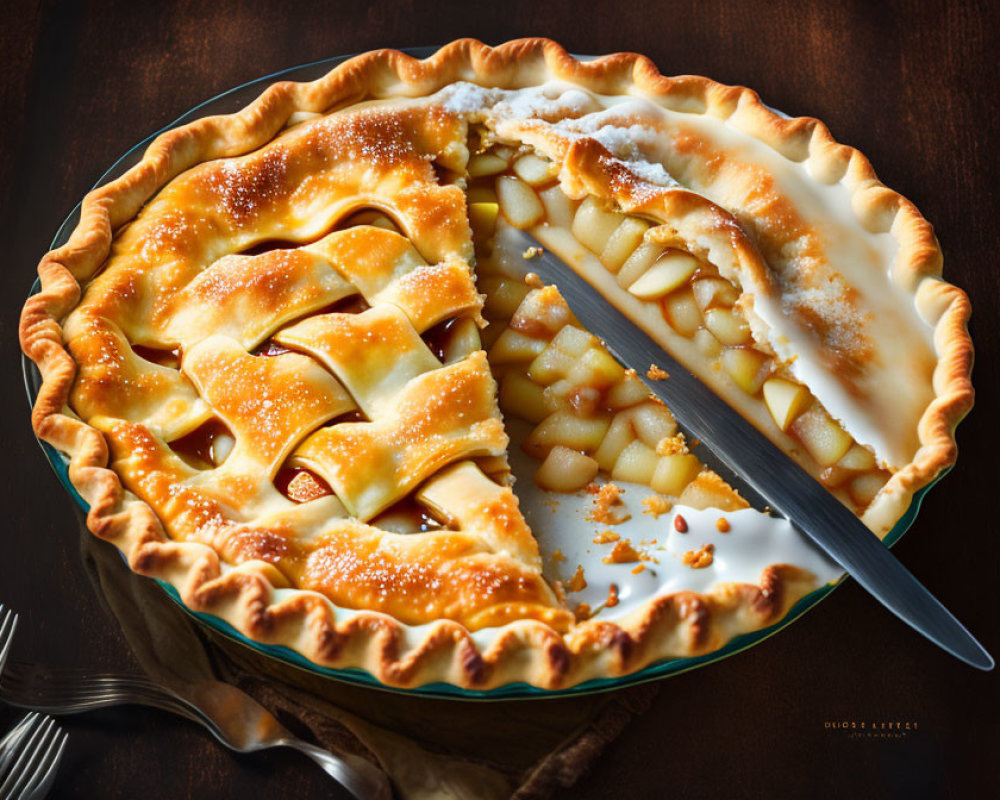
(518, 202)
(589, 413)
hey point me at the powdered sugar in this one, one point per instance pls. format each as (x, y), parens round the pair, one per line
(551, 101)
(571, 113)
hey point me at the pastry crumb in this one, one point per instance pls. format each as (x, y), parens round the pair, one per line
(656, 505)
(623, 553)
(582, 612)
(558, 556)
(604, 537)
(612, 600)
(532, 252)
(655, 373)
(638, 568)
(699, 559)
(672, 446)
(577, 583)
(722, 525)
(608, 506)
(532, 280)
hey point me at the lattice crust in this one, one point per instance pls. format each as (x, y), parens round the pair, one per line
(375, 353)
(258, 371)
(417, 415)
(436, 419)
(387, 268)
(248, 297)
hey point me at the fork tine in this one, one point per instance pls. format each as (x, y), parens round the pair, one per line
(46, 770)
(28, 721)
(8, 624)
(111, 692)
(10, 744)
(33, 680)
(50, 700)
(30, 684)
(24, 751)
(16, 682)
(28, 759)
(20, 671)
(17, 694)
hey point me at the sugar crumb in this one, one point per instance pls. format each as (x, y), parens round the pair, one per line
(656, 505)
(623, 553)
(699, 559)
(608, 506)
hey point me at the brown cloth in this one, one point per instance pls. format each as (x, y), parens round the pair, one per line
(429, 748)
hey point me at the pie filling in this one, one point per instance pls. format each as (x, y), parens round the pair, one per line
(291, 358)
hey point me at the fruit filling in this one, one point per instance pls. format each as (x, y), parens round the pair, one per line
(592, 416)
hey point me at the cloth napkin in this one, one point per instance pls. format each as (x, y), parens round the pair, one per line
(429, 748)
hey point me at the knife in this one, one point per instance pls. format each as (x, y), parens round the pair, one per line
(779, 480)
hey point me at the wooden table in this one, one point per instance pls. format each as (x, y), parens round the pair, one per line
(913, 86)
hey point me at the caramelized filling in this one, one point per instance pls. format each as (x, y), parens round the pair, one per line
(165, 358)
(369, 216)
(445, 176)
(406, 516)
(268, 245)
(270, 348)
(351, 416)
(354, 304)
(300, 484)
(437, 338)
(203, 448)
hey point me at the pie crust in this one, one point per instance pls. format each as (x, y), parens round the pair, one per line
(465, 603)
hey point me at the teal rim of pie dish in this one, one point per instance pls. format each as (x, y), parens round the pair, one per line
(229, 102)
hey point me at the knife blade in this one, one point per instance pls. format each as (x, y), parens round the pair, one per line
(783, 484)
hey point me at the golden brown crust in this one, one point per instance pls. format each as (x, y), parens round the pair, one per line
(252, 595)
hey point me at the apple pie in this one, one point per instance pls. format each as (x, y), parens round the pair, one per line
(301, 371)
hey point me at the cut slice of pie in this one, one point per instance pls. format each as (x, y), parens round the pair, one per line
(296, 363)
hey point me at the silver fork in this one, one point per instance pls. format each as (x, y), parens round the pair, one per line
(229, 714)
(8, 624)
(35, 747)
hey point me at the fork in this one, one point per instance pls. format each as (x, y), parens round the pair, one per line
(35, 746)
(229, 714)
(8, 624)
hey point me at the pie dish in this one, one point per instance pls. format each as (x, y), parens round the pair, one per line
(263, 351)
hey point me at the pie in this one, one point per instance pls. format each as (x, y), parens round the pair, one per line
(293, 355)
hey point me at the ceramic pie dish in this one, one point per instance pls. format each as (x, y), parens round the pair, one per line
(266, 354)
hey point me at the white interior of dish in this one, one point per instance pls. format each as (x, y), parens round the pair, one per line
(561, 523)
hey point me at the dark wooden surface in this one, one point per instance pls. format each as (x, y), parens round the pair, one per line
(912, 85)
